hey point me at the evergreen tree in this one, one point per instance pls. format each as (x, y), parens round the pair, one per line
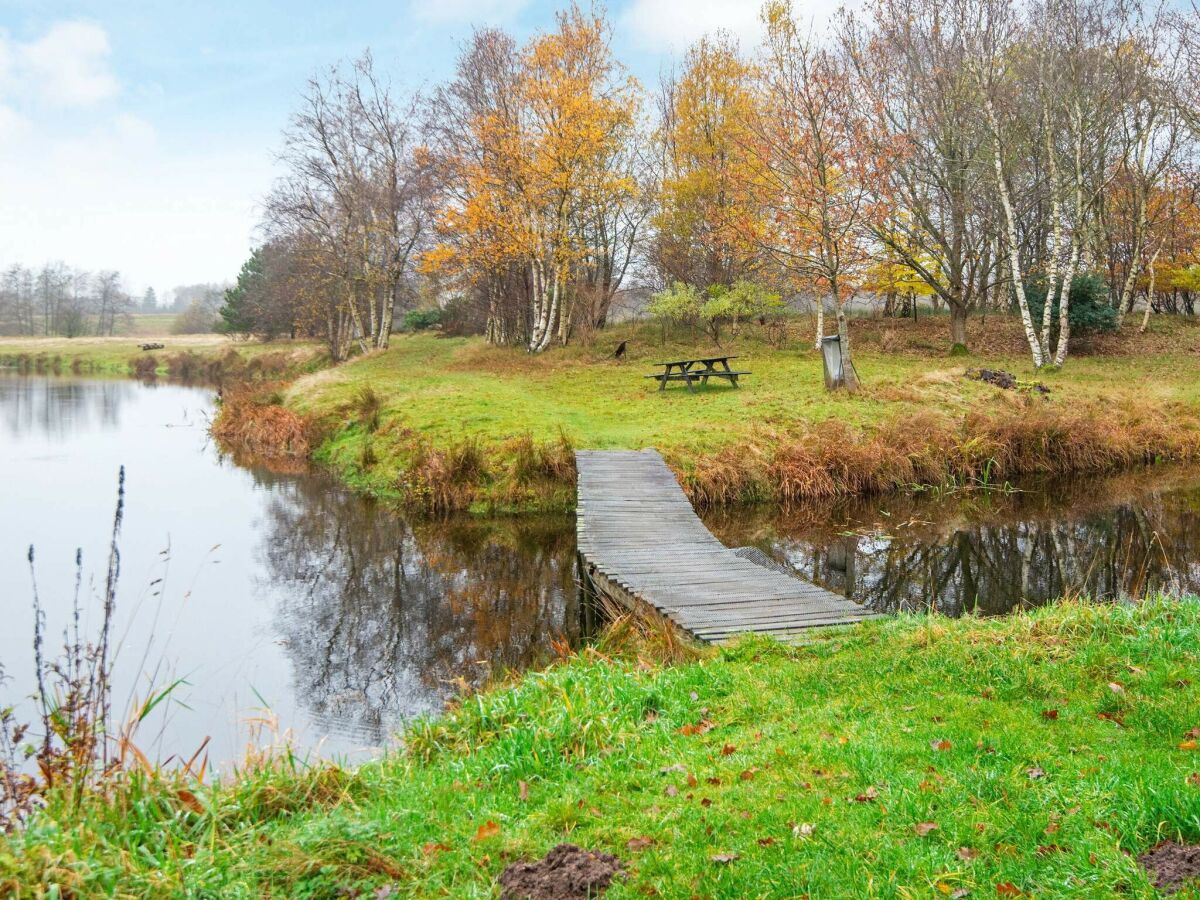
(237, 312)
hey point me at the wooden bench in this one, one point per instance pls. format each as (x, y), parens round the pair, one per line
(701, 369)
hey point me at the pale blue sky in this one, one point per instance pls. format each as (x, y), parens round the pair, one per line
(140, 136)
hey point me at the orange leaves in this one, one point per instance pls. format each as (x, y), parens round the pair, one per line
(940, 745)
(487, 830)
(538, 129)
(704, 726)
(924, 828)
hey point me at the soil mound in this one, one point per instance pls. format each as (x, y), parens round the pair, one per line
(565, 873)
(1172, 865)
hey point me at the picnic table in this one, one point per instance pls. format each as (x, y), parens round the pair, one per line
(691, 370)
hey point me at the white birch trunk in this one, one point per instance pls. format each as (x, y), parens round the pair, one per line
(1031, 334)
(1064, 306)
(820, 304)
(1149, 293)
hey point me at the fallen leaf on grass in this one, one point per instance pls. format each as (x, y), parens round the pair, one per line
(435, 847)
(1050, 714)
(1189, 745)
(1047, 849)
(1194, 779)
(1008, 889)
(924, 828)
(671, 791)
(766, 842)
(966, 854)
(804, 830)
(188, 799)
(866, 796)
(1036, 772)
(678, 767)
(638, 843)
(728, 750)
(942, 744)
(488, 829)
(1116, 688)
(725, 858)
(522, 791)
(704, 726)
(749, 774)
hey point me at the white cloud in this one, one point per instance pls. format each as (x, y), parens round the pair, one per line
(673, 25)
(116, 196)
(470, 12)
(66, 66)
(98, 187)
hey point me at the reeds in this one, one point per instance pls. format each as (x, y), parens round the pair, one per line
(252, 422)
(984, 448)
(81, 747)
(144, 366)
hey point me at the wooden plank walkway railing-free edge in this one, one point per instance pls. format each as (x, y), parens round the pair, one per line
(642, 545)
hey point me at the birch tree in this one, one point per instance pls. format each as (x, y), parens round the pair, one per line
(808, 177)
(910, 65)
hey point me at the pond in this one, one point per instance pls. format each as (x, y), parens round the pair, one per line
(286, 599)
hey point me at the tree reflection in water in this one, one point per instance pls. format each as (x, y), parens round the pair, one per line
(384, 619)
(989, 553)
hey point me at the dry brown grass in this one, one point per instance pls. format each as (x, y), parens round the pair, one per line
(443, 481)
(250, 423)
(144, 366)
(1022, 437)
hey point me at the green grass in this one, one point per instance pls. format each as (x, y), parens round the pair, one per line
(112, 355)
(1048, 749)
(441, 391)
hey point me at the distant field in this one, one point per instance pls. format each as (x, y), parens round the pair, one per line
(151, 324)
(113, 355)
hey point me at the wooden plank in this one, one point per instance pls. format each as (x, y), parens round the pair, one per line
(644, 543)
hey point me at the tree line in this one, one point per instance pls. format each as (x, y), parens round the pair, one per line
(58, 300)
(984, 154)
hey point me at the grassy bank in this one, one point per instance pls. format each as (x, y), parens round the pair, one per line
(181, 356)
(1035, 755)
(450, 422)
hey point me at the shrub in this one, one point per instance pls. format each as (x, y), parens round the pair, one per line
(145, 366)
(423, 319)
(1090, 309)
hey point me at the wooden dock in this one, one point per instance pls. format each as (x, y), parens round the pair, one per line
(640, 541)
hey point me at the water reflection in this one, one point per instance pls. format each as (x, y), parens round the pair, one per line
(60, 407)
(348, 619)
(988, 554)
(383, 620)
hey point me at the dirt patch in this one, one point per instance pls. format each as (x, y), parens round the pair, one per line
(566, 872)
(1172, 865)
